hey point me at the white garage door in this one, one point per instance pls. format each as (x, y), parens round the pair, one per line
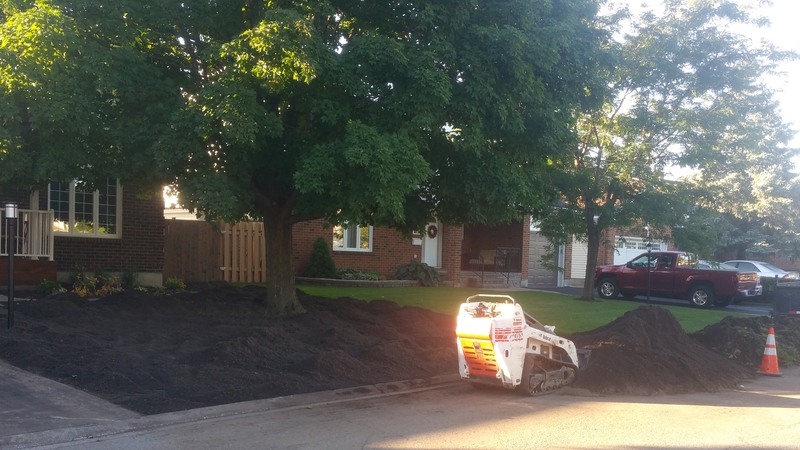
(629, 247)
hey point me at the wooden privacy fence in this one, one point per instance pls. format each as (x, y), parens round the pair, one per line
(242, 256)
(195, 252)
(191, 250)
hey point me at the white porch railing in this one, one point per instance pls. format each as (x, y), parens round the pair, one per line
(33, 233)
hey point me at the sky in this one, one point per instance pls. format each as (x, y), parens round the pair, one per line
(784, 34)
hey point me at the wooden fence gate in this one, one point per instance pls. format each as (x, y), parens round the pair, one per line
(195, 252)
(242, 258)
(191, 251)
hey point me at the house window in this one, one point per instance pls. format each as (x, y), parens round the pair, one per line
(80, 212)
(352, 239)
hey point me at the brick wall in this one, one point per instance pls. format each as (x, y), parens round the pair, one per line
(526, 243)
(389, 250)
(140, 249)
(451, 253)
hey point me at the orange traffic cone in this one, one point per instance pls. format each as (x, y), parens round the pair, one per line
(769, 363)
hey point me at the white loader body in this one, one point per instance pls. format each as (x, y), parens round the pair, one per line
(498, 344)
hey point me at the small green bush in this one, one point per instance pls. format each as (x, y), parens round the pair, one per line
(102, 276)
(414, 270)
(174, 284)
(100, 284)
(47, 287)
(82, 283)
(320, 263)
(130, 278)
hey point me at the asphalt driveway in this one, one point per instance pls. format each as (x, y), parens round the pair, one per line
(756, 310)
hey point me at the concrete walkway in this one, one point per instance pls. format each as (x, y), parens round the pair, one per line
(36, 411)
(30, 403)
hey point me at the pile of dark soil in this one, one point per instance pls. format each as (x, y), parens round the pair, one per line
(215, 345)
(646, 351)
(154, 354)
(743, 339)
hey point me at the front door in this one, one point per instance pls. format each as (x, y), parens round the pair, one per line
(432, 244)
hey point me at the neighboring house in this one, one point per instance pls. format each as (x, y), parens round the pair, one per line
(464, 255)
(63, 228)
(625, 248)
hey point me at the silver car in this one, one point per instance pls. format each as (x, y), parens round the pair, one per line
(763, 269)
(713, 265)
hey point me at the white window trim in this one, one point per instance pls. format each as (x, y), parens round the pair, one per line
(357, 250)
(95, 215)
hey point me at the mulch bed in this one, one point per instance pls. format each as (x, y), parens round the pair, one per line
(215, 345)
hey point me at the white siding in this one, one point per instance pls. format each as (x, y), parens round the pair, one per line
(579, 252)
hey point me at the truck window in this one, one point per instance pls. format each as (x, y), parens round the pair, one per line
(666, 261)
(685, 261)
(641, 262)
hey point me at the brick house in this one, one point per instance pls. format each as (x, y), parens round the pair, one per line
(465, 255)
(63, 228)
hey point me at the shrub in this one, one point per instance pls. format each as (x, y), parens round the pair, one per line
(320, 264)
(100, 284)
(109, 286)
(355, 274)
(130, 278)
(414, 270)
(83, 284)
(48, 287)
(174, 284)
(102, 276)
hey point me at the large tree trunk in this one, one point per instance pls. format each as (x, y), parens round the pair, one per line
(592, 250)
(281, 298)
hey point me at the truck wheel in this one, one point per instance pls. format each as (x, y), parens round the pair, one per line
(701, 296)
(723, 302)
(608, 288)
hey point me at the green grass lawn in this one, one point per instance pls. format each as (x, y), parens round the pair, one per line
(566, 313)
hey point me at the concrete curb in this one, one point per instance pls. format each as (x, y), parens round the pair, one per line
(145, 423)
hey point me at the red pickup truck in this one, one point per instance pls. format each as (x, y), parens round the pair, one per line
(674, 274)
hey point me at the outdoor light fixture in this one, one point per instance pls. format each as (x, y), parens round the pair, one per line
(649, 269)
(11, 210)
(649, 247)
(11, 241)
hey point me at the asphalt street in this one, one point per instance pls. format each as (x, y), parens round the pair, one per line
(760, 415)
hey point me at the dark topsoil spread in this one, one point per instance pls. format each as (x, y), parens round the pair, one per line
(214, 345)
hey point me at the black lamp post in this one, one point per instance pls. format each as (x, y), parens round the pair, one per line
(649, 269)
(11, 241)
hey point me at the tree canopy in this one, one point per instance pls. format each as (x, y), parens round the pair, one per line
(687, 91)
(382, 113)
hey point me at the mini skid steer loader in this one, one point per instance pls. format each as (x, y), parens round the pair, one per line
(500, 345)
